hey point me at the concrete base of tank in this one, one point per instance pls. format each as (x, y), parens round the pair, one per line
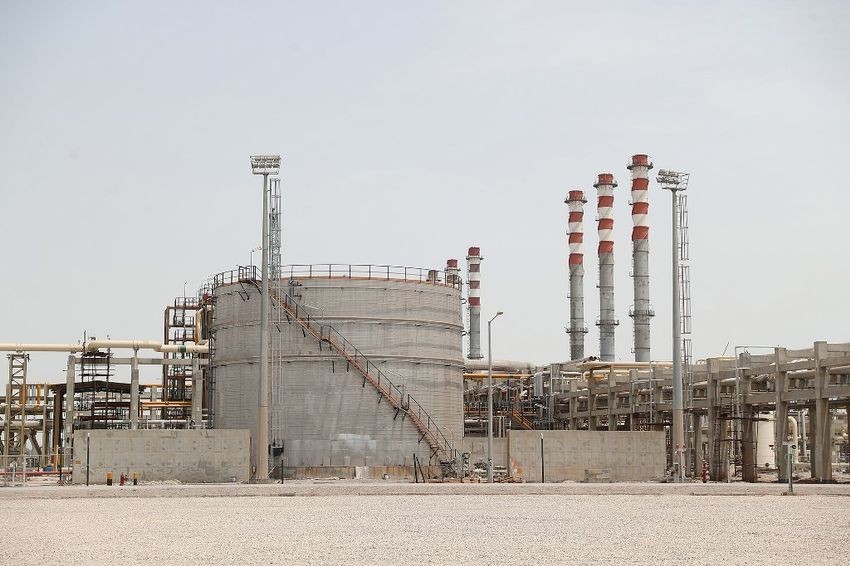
(353, 472)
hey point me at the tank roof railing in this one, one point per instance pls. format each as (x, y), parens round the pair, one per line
(251, 273)
(368, 271)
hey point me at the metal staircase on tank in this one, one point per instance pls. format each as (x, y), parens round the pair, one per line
(403, 403)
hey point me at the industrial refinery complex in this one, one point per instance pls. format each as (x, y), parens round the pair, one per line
(383, 371)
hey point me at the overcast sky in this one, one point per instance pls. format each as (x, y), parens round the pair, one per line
(411, 131)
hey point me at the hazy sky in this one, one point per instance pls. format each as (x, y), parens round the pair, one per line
(412, 130)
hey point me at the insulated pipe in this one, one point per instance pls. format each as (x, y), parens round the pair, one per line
(502, 365)
(641, 312)
(473, 260)
(607, 321)
(198, 348)
(41, 347)
(575, 234)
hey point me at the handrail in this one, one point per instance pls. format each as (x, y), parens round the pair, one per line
(326, 333)
(369, 271)
(248, 273)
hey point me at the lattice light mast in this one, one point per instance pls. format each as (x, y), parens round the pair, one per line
(641, 311)
(676, 182)
(575, 234)
(264, 165)
(275, 229)
(607, 323)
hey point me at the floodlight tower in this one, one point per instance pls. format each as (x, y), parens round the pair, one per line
(676, 182)
(264, 165)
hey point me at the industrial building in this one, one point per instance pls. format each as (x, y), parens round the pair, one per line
(345, 370)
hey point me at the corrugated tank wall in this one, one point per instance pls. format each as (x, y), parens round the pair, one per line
(321, 414)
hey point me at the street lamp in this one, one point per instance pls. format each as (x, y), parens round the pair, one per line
(675, 182)
(264, 165)
(258, 248)
(490, 397)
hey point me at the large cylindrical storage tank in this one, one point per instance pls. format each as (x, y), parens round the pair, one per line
(408, 322)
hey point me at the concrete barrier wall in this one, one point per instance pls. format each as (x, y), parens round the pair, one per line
(189, 456)
(580, 455)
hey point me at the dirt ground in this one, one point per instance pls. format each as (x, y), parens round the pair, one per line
(348, 522)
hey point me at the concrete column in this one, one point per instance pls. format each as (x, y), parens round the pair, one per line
(134, 391)
(591, 403)
(197, 392)
(748, 445)
(781, 429)
(823, 428)
(57, 424)
(45, 432)
(698, 454)
(632, 399)
(847, 423)
(70, 377)
(612, 402)
(573, 402)
(803, 431)
(714, 463)
(7, 427)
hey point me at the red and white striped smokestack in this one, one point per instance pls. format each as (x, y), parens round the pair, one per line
(577, 329)
(473, 260)
(641, 312)
(607, 322)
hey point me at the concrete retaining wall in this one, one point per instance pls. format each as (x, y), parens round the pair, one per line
(580, 455)
(189, 456)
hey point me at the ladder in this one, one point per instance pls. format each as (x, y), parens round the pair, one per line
(685, 322)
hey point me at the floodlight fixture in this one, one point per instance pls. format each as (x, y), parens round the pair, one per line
(265, 164)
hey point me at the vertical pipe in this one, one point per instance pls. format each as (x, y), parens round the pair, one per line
(678, 405)
(542, 462)
(489, 402)
(473, 259)
(197, 392)
(134, 390)
(69, 409)
(262, 448)
(575, 233)
(607, 322)
(641, 312)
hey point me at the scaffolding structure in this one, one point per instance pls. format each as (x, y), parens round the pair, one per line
(180, 327)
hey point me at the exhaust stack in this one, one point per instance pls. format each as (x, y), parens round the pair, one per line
(641, 312)
(452, 272)
(577, 329)
(607, 322)
(473, 261)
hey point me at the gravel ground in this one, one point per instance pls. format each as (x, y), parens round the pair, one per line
(516, 528)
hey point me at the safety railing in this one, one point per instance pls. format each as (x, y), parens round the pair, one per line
(367, 271)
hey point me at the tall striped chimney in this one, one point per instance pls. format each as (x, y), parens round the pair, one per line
(575, 233)
(607, 322)
(641, 312)
(473, 262)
